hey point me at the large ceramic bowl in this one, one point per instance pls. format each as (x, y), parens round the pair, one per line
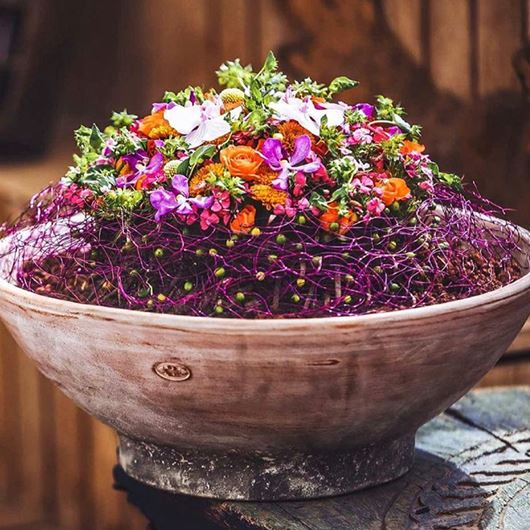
(266, 409)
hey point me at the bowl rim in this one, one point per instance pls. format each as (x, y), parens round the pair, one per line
(137, 318)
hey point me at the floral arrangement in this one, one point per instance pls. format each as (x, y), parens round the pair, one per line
(268, 199)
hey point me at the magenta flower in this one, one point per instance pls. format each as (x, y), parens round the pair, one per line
(278, 160)
(178, 200)
(367, 109)
(147, 173)
(375, 206)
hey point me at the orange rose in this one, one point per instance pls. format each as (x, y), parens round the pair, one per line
(331, 217)
(155, 126)
(242, 161)
(411, 147)
(244, 220)
(394, 189)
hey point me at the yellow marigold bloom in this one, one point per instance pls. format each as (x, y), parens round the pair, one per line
(290, 131)
(268, 196)
(265, 175)
(198, 181)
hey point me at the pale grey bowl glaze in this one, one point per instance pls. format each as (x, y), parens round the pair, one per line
(266, 409)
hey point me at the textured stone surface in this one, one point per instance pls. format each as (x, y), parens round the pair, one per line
(265, 476)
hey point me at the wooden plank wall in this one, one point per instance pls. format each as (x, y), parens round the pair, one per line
(55, 462)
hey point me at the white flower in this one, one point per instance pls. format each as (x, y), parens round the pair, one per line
(199, 123)
(307, 114)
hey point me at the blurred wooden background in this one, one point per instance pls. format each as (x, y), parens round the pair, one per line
(454, 64)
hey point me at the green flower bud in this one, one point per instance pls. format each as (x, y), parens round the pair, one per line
(295, 298)
(220, 272)
(171, 168)
(159, 252)
(281, 239)
(188, 286)
(240, 297)
(300, 282)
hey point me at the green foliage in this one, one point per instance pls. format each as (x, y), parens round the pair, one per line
(387, 109)
(122, 119)
(233, 74)
(123, 199)
(332, 137)
(340, 84)
(308, 87)
(182, 97)
(227, 182)
(172, 145)
(343, 169)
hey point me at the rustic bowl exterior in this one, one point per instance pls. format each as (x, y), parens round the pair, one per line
(271, 408)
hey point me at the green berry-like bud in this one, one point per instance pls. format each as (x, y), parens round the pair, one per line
(392, 245)
(347, 299)
(410, 255)
(219, 309)
(159, 252)
(171, 168)
(150, 304)
(260, 276)
(220, 272)
(376, 237)
(199, 252)
(413, 221)
(281, 239)
(255, 232)
(299, 246)
(188, 286)
(230, 243)
(142, 293)
(300, 282)
(348, 278)
(128, 246)
(272, 258)
(213, 252)
(295, 298)
(161, 297)
(394, 287)
(302, 219)
(394, 207)
(334, 227)
(316, 261)
(378, 269)
(240, 297)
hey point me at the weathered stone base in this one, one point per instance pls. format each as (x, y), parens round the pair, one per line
(265, 476)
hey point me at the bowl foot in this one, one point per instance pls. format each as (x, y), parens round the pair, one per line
(265, 476)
